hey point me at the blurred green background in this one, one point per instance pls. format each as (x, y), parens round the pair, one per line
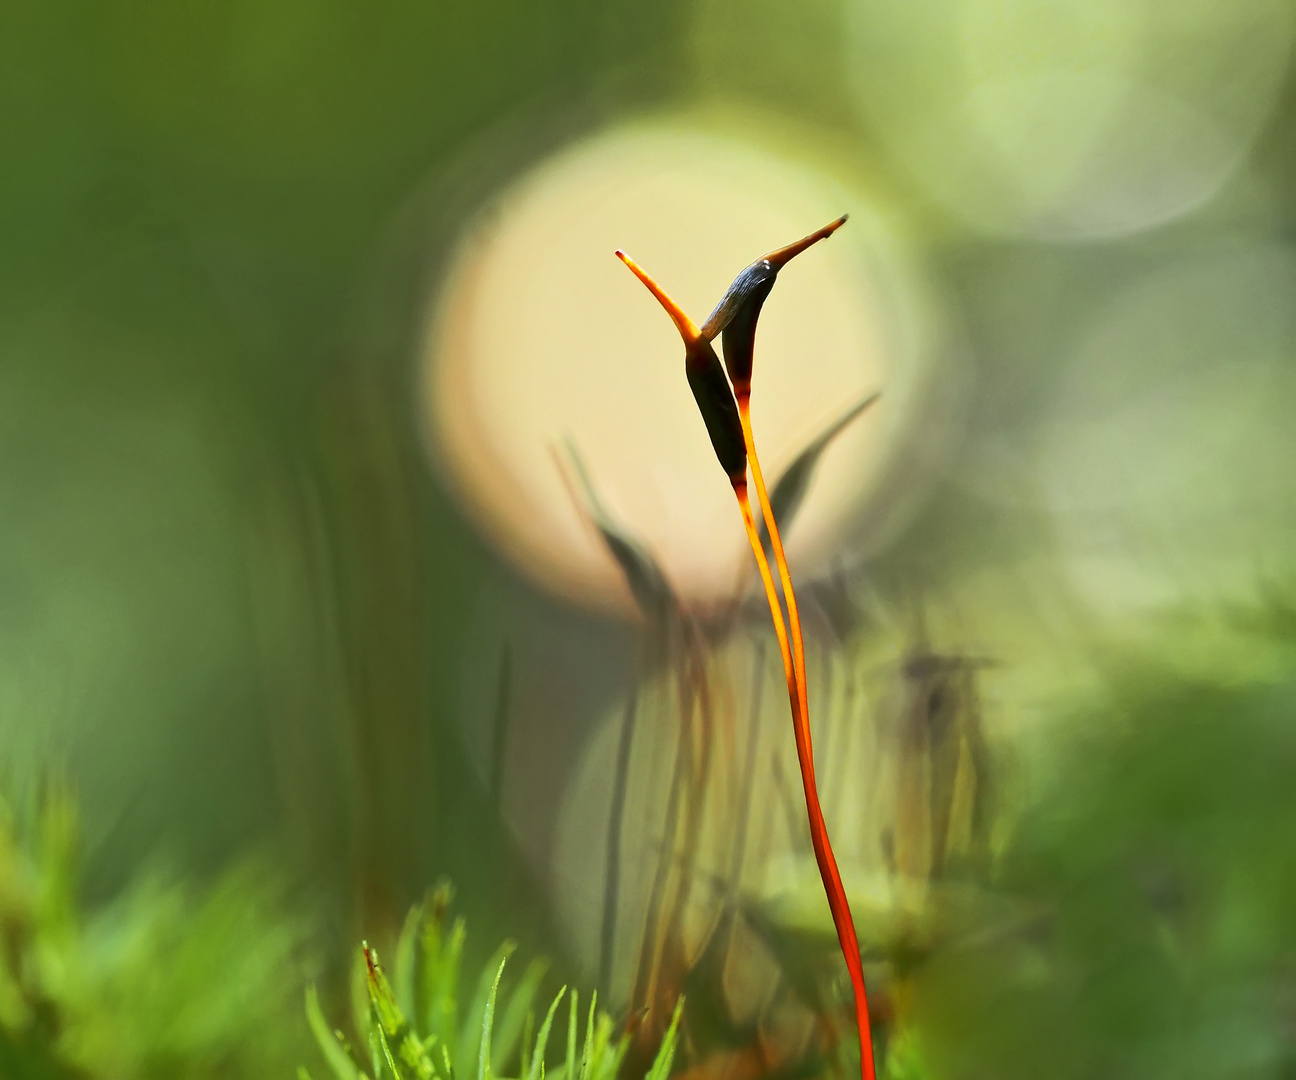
(231, 593)
(238, 610)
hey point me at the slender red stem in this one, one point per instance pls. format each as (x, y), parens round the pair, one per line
(828, 872)
(767, 579)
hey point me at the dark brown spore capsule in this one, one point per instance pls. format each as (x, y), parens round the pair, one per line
(719, 410)
(740, 307)
(706, 378)
(736, 315)
(754, 282)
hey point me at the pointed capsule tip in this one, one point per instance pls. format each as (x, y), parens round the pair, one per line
(688, 330)
(782, 256)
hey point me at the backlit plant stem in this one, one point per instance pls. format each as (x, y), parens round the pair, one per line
(827, 861)
(726, 412)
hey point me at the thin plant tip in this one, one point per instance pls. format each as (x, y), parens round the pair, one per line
(782, 256)
(686, 326)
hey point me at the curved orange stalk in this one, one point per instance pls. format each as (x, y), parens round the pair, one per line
(767, 579)
(780, 559)
(837, 901)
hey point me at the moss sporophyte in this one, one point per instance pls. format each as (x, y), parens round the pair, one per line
(725, 405)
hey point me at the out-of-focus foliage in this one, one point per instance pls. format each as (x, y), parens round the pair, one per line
(1155, 868)
(162, 981)
(216, 518)
(411, 1027)
(232, 600)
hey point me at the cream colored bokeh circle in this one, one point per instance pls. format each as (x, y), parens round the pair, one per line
(540, 337)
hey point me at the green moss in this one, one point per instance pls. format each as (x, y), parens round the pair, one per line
(163, 980)
(413, 1029)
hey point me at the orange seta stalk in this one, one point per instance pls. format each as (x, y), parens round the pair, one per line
(838, 904)
(700, 358)
(767, 579)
